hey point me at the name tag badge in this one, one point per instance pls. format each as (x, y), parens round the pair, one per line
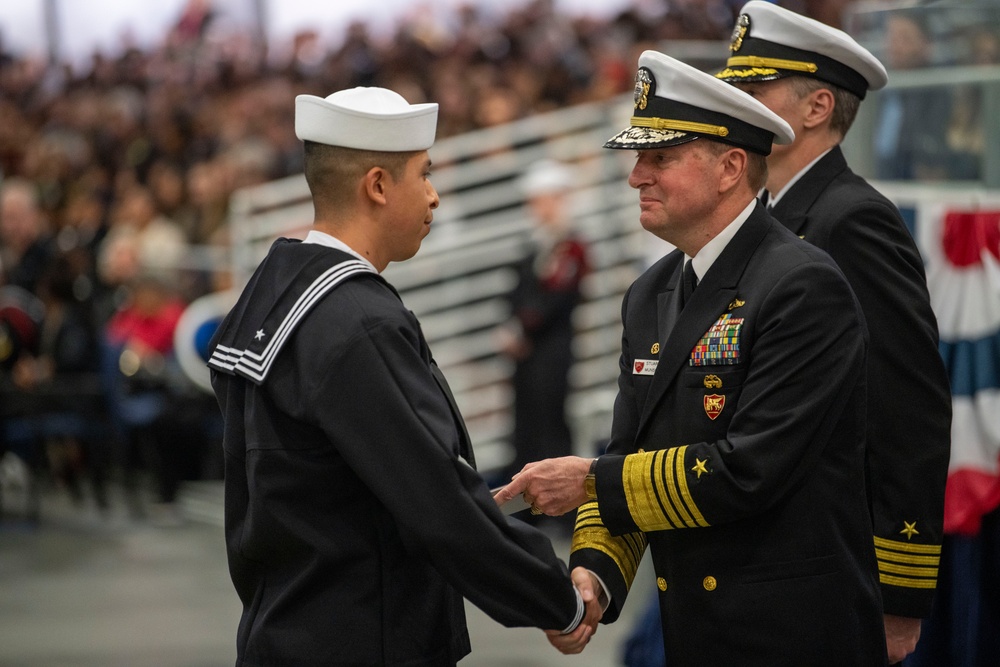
(644, 366)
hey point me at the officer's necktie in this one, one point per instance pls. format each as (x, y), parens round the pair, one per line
(688, 282)
(765, 199)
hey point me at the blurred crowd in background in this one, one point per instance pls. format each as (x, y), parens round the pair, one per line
(114, 180)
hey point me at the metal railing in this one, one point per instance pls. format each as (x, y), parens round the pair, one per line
(457, 283)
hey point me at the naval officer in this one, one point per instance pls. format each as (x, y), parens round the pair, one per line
(737, 446)
(815, 77)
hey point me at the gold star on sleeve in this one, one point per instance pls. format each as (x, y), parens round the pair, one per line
(906, 564)
(910, 529)
(699, 467)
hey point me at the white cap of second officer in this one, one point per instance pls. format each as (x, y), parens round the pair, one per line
(770, 42)
(374, 119)
(676, 103)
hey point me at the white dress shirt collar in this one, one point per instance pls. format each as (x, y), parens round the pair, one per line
(773, 198)
(710, 252)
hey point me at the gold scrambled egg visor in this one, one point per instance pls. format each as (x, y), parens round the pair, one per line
(634, 138)
(755, 68)
(659, 121)
(756, 59)
(749, 68)
(641, 134)
(749, 74)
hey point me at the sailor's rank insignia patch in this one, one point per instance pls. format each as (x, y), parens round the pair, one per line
(720, 345)
(713, 405)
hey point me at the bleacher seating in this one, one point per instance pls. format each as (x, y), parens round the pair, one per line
(457, 282)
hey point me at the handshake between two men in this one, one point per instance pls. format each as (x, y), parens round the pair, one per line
(555, 487)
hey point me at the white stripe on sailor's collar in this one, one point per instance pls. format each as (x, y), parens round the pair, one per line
(322, 238)
(256, 365)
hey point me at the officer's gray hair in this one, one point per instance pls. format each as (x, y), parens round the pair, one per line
(845, 104)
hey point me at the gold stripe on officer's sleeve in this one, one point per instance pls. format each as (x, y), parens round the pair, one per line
(686, 493)
(930, 561)
(637, 541)
(909, 574)
(638, 473)
(656, 491)
(676, 466)
(675, 461)
(626, 551)
(908, 571)
(907, 547)
(661, 479)
(588, 515)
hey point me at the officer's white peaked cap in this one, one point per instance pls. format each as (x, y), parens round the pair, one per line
(770, 42)
(675, 103)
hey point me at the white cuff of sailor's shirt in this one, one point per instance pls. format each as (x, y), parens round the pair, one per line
(580, 607)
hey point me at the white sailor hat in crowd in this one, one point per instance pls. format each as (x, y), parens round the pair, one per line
(546, 176)
(676, 103)
(770, 42)
(374, 119)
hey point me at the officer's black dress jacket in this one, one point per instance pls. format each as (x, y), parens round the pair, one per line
(354, 525)
(743, 465)
(909, 400)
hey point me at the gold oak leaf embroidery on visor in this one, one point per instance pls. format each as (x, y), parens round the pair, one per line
(729, 73)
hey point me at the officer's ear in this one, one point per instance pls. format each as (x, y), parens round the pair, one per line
(818, 107)
(733, 165)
